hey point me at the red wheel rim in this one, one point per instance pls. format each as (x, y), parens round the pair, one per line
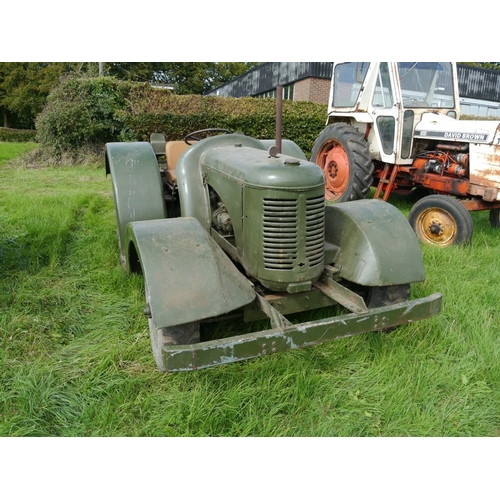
(333, 160)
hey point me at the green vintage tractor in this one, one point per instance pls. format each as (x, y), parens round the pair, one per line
(226, 224)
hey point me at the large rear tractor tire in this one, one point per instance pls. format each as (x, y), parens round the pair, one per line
(441, 220)
(343, 155)
(495, 218)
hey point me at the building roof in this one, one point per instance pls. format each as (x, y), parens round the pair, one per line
(473, 82)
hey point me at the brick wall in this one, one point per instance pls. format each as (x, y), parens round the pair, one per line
(312, 89)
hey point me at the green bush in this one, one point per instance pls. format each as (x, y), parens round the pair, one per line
(174, 116)
(80, 114)
(17, 135)
(83, 114)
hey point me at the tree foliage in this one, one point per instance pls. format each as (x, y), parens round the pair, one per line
(81, 113)
(24, 86)
(486, 65)
(198, 78)
(84, 114)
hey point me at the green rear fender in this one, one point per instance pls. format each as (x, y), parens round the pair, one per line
(137, 187)
(189, 277)
(375, 244)
(288, 148)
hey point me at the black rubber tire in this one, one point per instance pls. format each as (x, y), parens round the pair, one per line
(495, 218)
(378, 296)
(174, 335)
(348, 173)
(185, 334)
(441, 220)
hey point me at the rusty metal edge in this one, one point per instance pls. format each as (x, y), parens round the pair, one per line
(241, 347)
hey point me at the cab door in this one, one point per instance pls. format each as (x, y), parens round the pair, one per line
(385, 111)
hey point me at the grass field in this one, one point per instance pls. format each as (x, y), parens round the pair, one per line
(75, 352)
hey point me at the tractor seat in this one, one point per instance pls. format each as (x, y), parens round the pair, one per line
(173, 150)
(158, 143)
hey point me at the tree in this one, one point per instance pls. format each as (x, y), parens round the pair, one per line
(134, 71)
(186, 77)
(486, 65)
(200, 77)
(24, 87)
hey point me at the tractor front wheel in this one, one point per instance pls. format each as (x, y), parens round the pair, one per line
(343, 155)
(379, 296)
(188, 333)
(441, 220)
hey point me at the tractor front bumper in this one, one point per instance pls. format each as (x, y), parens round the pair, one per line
(292, 336)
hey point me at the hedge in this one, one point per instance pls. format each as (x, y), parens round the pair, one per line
(83, 113)
(17, 135)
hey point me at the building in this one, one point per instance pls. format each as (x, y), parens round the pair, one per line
(479, 88)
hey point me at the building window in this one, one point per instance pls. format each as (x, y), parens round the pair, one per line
(287, 93)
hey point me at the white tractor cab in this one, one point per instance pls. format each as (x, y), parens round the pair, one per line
(395, 126)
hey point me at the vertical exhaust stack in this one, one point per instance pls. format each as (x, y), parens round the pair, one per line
(279, 114)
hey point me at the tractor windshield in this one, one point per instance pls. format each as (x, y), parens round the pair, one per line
(426, 84)
(347, 82)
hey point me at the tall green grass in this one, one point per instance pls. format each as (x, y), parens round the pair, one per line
(75, 354)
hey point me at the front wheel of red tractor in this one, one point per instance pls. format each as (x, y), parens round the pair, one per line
(343, 155)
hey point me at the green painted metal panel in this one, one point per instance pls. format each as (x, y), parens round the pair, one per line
(137, 186)
(288, 147)
(377, 246)
(257, 344)
(283, 241)
(256, 168)
(193, 194)
(189, 277)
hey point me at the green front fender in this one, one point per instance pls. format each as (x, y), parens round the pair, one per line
(137, 186)
(376, 245)
(189, 277)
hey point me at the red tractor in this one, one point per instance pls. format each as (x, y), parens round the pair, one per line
(395, 127)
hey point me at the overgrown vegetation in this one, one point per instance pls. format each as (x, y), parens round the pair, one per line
(83, 114)
(76, 360)
(16, 135)
(24, 86)
(80, 113)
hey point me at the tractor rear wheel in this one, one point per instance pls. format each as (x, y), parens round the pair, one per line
(188, 333)
(343, 155)
(495, 218)
(441, 220)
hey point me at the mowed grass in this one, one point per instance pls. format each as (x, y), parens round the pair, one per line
(75, 354)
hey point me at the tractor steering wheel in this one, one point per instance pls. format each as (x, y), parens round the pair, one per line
(194, 136)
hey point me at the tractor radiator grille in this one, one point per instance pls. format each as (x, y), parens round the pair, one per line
(283, 233)
(315, 230)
